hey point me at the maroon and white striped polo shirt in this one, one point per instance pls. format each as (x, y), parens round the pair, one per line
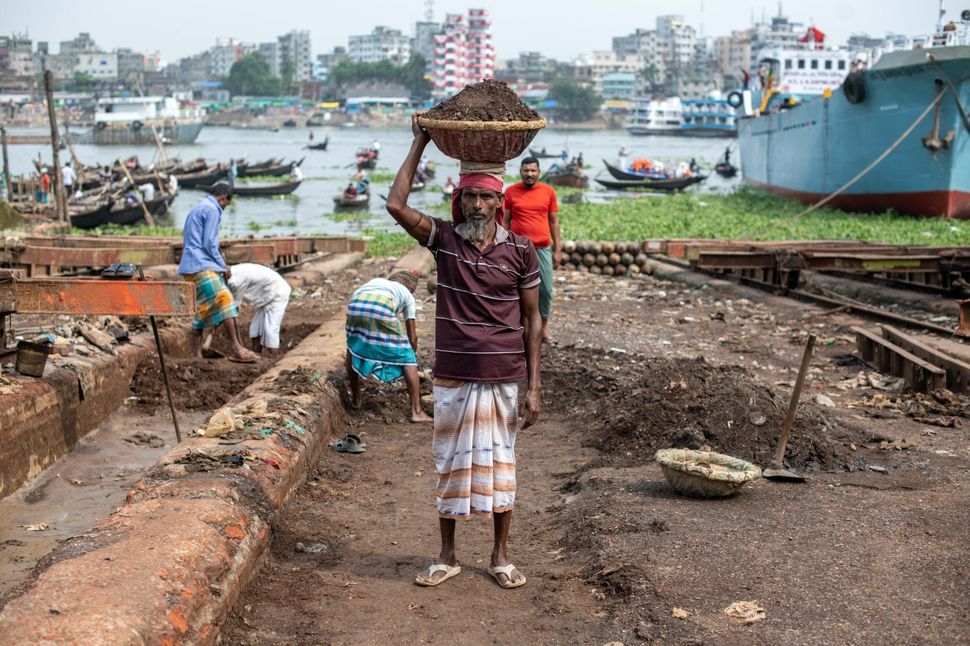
(478, 323)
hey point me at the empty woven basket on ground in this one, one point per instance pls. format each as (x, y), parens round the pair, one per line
(481, 141)
(703, 473)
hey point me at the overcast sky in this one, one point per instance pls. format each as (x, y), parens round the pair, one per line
(560, 29)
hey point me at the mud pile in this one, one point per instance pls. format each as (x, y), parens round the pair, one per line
(632, 406)
(489, 100)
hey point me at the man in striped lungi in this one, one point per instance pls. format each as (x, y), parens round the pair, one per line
(487, 337)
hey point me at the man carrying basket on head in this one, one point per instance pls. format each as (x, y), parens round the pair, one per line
(487, 338)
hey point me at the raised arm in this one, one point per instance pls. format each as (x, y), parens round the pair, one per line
(413, 221)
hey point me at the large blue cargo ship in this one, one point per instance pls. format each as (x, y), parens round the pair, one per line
(897, 132)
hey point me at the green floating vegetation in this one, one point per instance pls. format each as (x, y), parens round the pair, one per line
(748, 214)
(381, 244)
(349, 216)
(136, 230)
(381, 176)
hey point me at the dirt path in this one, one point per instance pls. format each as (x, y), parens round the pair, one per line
(853, 556)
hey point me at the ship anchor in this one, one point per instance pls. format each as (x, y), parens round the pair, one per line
(933, 142)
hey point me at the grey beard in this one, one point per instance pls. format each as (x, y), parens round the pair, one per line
(473, 230)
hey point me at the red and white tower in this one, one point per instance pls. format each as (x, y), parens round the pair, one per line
(463, 52)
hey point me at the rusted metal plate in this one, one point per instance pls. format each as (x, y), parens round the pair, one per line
(94, 257)
(957, 372)
(96, 297)
(262, 253)
(736, 259)
(891, 359)
(871, 262)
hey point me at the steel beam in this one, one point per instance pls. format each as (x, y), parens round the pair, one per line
(957, 372)
(96, 257)
(889, 358)
(83, 297)
(870, 262)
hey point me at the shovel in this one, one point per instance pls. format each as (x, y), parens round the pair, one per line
(776, 470)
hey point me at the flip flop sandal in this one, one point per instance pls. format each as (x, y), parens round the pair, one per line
(449, 570)
(507, 571)
(252, 359)
(350, 443)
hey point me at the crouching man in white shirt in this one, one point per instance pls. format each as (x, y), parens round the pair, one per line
(269, 293)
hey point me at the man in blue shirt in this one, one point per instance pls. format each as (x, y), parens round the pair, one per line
(202, 264)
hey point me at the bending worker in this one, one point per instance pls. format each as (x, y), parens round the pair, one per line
(269, 293)
(377, 346)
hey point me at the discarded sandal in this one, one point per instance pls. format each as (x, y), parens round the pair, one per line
(507, 570)
(349, 443)
(425, 579)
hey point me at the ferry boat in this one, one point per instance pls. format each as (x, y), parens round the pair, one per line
(708, 117)
(650, 117)
(137, 120)
(895, 135)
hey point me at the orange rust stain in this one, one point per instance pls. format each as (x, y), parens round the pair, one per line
(178, 621)
(236, 532)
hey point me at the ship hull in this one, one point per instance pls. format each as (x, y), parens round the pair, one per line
(810, 151)
(117, 134)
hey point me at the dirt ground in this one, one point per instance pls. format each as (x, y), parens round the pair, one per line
(872, 548)
(222, 378)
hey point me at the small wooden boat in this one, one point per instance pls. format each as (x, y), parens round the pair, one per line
(726, 169)
(204, 178)
(92, 218)
(542, 154)
(127, 214)
(318, 146)
(573, 179)
(289, 123)
(671, 184)
(345, 201)
(417, 186)
(261, 190)
(621, 174)
(277, 170)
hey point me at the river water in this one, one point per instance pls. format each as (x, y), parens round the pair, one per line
(310, 209)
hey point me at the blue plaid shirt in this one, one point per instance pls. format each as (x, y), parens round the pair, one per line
(200, 239)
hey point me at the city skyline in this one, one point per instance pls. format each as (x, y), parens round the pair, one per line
(518, 27)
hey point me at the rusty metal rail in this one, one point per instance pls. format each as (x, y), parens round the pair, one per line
(83, 297)
(38, 256)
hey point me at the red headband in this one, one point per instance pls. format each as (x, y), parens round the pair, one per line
(475, 180)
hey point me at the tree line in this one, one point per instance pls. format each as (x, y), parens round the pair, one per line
(252, 76)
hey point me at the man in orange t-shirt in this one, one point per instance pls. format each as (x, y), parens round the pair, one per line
(531, 210)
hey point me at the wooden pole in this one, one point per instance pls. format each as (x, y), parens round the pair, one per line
(148, 215)
(55, 144)
(6, 163)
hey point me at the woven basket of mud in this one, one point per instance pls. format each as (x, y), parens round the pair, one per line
(704, 473)
(482, 141)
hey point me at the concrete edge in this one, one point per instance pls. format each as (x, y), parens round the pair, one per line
(168, 565)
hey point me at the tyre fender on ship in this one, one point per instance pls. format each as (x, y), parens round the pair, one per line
(735, 99)
(101, 125)
(136, 125)
(854, 87)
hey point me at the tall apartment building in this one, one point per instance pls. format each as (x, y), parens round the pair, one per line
(16, 56)
(647, 45)
(423, 41)
(295, 47)
(463, 52)
(677, 40)
(271, 54)
(742, 49)
(382, 44)
(224, 53)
